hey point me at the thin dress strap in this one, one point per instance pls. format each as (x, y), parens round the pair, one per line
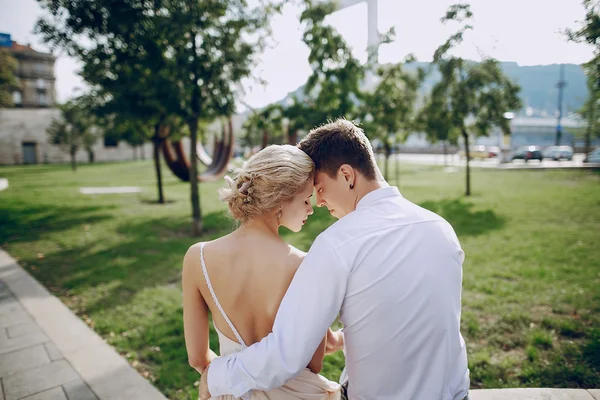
(214, 296)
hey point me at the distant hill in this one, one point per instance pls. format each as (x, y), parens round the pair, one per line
(538, 86)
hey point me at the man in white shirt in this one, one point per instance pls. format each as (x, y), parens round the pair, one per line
(393, 272)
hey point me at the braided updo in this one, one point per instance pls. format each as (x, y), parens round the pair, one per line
(270, 178)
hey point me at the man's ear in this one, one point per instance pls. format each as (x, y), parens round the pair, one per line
(347, 173)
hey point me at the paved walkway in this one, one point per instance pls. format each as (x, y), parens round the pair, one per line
(48, 353)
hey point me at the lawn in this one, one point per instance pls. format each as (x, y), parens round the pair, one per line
(531, 297)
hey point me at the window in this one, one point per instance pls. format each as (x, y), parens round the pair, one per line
(17, 98)
(40, 84)
(39, 68)
(29, 153)
(110, 142)
(42, 99)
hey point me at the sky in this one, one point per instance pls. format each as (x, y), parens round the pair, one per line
(528, 32)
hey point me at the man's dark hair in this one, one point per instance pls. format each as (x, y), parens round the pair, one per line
(337, 143)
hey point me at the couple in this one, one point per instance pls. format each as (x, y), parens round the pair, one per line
(390, 269)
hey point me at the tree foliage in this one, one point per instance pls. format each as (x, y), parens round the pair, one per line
(590, 33)
(388, 112)
(152, 60)
(333, 88)
(8, 83)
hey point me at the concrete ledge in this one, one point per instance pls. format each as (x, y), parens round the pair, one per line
(534, 394)
(3, 183)
(106, 373)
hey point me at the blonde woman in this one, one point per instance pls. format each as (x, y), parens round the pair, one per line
(242, 277)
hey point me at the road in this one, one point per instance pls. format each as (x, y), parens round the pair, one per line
(454, 160)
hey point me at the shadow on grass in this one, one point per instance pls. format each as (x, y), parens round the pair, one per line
(29, 223)
(463, 218)
(149, 256)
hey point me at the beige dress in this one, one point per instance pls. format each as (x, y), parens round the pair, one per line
(306, 385)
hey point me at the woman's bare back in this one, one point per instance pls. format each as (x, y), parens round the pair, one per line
(250, 273)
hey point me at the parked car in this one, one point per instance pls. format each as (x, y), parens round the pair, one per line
(594, 156)
(475, 152)
(559, 153)
(493, 151)
(528, 153)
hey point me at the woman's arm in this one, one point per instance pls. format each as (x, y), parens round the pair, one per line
(316, 364)
(332, 342)
(195, 314)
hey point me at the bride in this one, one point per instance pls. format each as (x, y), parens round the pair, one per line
(242, 277)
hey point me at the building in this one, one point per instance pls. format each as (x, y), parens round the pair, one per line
(23, 128)
(35, 77)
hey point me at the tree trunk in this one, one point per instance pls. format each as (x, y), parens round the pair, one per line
(397, 155)
(193, 125)
(134, 151)
(143, 153)
(265, 138)
(466, 137)
(73, 152)
(387, 149)
(445, 153)
(195, 195)
(157, 142)
(91, 156)
(293, 137)
(588, 133)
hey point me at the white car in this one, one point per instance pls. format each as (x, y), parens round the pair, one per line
(594, 156)
(559, 153)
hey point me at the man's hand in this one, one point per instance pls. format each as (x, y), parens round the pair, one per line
(335, 341)
(204, 394)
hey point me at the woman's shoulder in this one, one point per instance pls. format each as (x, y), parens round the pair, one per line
(193, 254)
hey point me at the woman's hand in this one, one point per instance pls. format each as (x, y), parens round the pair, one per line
(335, 341)
(204, 394)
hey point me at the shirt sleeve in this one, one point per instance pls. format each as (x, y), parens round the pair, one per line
(308, 308)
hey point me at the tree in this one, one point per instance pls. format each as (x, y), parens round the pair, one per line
(591, 109)
(471, 98)
(210, 47)
(7, 78)
(333, 88)
(134, 132)
(590, 33)
(431, 120)
(265, 126)
(124, 59)
(73, 130)
(388, 112)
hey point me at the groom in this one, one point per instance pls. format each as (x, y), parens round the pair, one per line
(392, 271)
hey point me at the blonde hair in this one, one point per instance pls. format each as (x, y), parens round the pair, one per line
(270, 178)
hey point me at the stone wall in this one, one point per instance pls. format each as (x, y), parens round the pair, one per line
(30, 125)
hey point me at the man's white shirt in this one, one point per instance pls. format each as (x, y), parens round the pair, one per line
(393, 272)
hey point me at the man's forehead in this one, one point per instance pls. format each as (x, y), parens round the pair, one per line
(319, 178)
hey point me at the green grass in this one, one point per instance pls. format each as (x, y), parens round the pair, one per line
(531, 304)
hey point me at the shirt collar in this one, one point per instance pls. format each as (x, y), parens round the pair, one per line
(373, 197)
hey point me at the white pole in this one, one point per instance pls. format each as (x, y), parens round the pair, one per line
(373, 37)
(373, 32)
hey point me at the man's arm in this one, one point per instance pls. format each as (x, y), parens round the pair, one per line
(308, 308)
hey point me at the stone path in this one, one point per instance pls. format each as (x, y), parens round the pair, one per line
(48, 353)
(110, 190)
